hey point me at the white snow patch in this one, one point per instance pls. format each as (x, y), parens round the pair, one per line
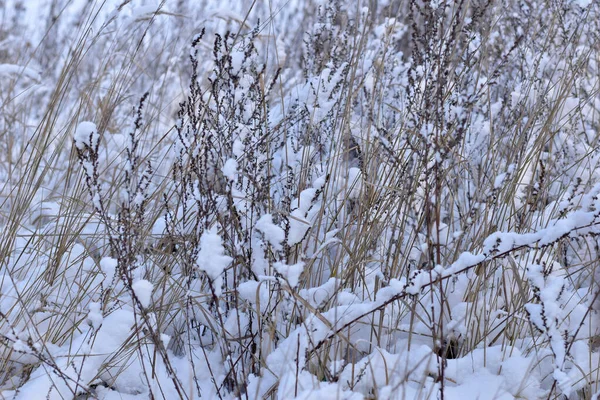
(354, 182)
(230, 169)
(274, 234)
(211, 258)
(143, 291)
(86, 135)
(290, 272)
(94, 317)
(17, 70)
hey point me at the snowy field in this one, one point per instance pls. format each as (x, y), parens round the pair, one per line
(312, 199)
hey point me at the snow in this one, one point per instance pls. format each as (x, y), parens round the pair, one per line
(109, 268)
(274, 234)
(230, 169)
(299, 219)
(143, 291)
(299, 226)
(86, 135)
(499, 180)
(95, 317)
(264, 256)
(211, 257)
(144, 11)
(354, 182)
(237, 58)
(7, 70)
(256, 293)
(291, 273)
(112, 334)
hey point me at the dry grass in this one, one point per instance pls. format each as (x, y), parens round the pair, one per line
(381, 148)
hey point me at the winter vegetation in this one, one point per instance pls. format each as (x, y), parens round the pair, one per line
(324, 199)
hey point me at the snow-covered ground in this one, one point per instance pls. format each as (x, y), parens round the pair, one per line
(299, 199)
